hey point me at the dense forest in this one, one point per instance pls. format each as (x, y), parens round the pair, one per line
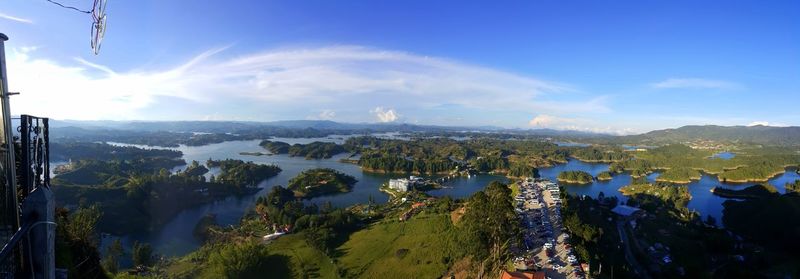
(771, 222)
(604, 176)
(592, 234)
(392, 163)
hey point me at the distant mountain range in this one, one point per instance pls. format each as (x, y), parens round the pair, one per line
(239, 126)
(767, 135)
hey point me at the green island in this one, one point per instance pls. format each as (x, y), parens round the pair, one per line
(575, 177)
(314, 150)
(751, 192)
(242, 174)
(605, 176)
(322, 181)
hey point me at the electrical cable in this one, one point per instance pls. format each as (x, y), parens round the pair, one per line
(69, 7)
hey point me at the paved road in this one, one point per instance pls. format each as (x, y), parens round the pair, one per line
(623, 235)
(560, 249)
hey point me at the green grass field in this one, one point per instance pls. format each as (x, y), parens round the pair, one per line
(390, 249)
(514, 189)
(305, 261)
(386, 249)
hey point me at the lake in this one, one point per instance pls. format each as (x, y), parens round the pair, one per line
(724, 155)
(176, 239)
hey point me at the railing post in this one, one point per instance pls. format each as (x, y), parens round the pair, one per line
(25, 150)
(9, 205)
(39, 209)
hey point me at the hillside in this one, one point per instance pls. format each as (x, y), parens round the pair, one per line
(766, 135)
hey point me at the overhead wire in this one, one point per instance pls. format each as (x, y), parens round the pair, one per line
(69, 7)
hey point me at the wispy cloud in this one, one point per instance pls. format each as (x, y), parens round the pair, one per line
(325, 114)
(696, 83)
(14, 18)
(576, 124)
(766, 123)
(361, 84)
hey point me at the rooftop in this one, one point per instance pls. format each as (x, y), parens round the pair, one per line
(625, 210)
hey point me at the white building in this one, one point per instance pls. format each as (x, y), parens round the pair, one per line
(405, 184)
(402, 185)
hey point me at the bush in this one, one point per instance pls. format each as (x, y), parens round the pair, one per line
(246, 260)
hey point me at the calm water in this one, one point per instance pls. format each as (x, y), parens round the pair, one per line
(724, 155)
(175, 238)
(571, 144)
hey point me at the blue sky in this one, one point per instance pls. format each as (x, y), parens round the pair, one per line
(606, 66)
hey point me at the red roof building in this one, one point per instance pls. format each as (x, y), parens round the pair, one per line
(522, 275)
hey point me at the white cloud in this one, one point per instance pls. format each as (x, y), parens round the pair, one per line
(284, 82)
(326, 114)
(385, 115)
(14, 18)
(766, 123)
(695, 83)
(757, 123)
(549, 121)
(575, 124)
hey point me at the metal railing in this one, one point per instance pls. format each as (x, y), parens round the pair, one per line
(30, 250)
(34, 153)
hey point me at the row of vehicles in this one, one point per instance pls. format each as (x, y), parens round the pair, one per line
(538, 205)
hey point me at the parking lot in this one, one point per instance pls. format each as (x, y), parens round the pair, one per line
(544, 245)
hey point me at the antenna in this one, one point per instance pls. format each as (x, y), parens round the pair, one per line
(98, 13)
(99, 24)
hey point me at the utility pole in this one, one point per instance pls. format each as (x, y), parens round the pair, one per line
(9, 206)
(27, 237)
